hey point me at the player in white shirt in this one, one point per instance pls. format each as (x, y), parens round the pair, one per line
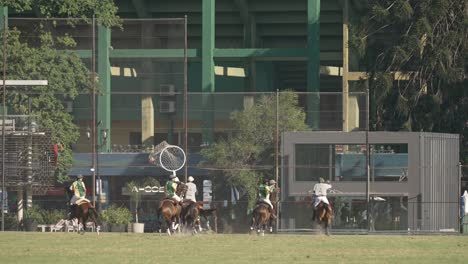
(320, 193)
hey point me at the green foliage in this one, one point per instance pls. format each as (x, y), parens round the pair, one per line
(135, 196)
(248, 156)
(34, 213)
(67, 76)
(427, 41)
(116, 215)
(52, 216)
(104, 10)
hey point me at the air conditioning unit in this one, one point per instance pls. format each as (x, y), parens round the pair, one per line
(167, 107)
(167, 89)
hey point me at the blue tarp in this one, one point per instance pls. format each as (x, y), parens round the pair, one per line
(382, 165)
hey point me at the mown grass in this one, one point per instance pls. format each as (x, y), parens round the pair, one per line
(25, 247)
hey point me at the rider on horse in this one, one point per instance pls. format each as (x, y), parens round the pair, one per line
(171, 188)
(191, 190)
(78, 188)
(265, 190)
(320, 194)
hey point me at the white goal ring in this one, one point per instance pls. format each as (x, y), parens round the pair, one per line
(160, 156)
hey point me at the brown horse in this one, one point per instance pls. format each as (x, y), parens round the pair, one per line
(324, 216)
(171, 210)
(86, 212)
(260, 218)
(261, 215)
(191, 216)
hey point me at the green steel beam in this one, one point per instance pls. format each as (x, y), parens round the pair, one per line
(104, 99)
(208, 77)
(313, 62)
(84, 54)
(192, 6)
(3, 14)
(294, 53)
(153, 53)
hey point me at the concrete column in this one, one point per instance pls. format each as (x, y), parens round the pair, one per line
(345, 95)
(147, 107)
(29, 200)
(19, 212)
(147, 120)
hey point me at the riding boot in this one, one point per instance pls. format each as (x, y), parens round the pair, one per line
(72, 212)
(313, 215)
(272, 214)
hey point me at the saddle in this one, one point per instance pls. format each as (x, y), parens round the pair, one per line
(260, 202)
(174, 201)
(83, 201)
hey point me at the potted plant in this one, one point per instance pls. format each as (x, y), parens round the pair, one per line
(32, 217)
(118, 218)
(135, 199)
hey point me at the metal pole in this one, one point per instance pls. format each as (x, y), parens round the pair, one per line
(185, 97)
(3, 123)
(277, 137)
(460, 213)
(94, 112)
(277, 158)
(367, 162)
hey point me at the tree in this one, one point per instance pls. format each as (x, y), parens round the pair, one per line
(426, 40)
(51, 58)
(248, 156)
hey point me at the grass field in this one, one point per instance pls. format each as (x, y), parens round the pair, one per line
(23, 247)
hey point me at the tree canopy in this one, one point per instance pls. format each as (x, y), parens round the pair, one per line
(426, 41)
(249, 155)
(39, 54)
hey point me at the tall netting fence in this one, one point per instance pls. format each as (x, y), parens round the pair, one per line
(113, 95)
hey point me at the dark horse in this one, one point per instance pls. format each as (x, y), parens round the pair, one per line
(192, 213)
(261, 216)
(85, 212)
(324, 216)
(171, 210)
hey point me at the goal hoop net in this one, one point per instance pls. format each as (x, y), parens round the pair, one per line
(169, 157)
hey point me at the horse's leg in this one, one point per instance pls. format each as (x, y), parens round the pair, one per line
(252, 226)
(270, 223)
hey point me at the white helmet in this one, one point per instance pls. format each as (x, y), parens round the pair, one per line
(190, 179)
(176, 179)
(272, 182)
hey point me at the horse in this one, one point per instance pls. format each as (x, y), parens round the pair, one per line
(205, 213)
(84, 212)
(324, 216)
(261, 216)
(171, 210)
(192, 214)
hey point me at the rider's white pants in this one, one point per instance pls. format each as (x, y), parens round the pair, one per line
(268, 202)
(176, 197)
(319, 199)
(75, 198)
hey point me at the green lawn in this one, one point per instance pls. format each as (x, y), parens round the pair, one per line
(23, 247)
